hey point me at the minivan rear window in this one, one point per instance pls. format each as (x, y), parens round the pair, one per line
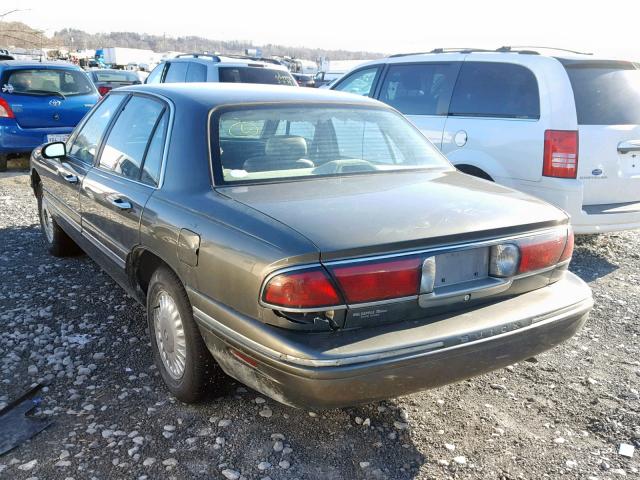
(492, 89)
(255, 75)
(606, 93)
(47, 81)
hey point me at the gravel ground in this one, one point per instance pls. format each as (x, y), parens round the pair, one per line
(66, 324)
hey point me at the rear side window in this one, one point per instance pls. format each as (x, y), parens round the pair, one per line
(87, 140)
(360, 82)
(115, 76)
(176, 72)
(196, 73)
(420, 89)
(503, 90)
(126, 145)
(255, 75)
(606, 93)
(47, 82)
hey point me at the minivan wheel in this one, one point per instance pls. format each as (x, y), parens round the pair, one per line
(179, 352)
(58, 242)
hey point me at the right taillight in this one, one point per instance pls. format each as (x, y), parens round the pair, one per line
(301, 289)
(5, 109)
(560, 154)
(544, 251)
(104, 90)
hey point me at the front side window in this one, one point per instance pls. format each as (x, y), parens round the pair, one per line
(39, 82)
(268, 76)
(125, 147)
(491, 89)
(360, 82)
(419, 89)
(85, 144)
(318, 140)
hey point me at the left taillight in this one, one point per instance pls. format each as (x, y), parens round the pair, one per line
(301, 289)
(5, 109)
(545, 251)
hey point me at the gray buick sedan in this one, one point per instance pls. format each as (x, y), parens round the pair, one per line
(311, 244)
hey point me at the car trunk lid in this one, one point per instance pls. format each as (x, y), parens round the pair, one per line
(369, 214)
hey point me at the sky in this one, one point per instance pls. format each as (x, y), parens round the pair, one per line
(605, 28)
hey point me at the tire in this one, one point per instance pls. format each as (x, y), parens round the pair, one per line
(166, 297)
(58, 242)
(3, 163)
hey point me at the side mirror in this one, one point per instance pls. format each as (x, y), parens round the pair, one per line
(54, 150)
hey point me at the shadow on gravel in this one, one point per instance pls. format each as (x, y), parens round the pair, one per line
(591, 260)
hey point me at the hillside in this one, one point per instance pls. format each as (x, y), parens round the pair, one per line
(20, 35)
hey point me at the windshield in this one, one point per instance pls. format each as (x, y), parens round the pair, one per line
(606, 93)
(270, 143)
(47, 82)
(116, 76)
(256, 75)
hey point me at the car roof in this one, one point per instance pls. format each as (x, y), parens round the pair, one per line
(209, 95)
(207, 59)
(24, 63)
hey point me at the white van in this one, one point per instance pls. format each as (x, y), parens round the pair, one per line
(560, 125)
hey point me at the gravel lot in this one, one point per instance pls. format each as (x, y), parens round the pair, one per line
(66, 324)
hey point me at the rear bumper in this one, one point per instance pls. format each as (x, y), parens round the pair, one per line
(15, 139)
(350, 367)
(568, 195)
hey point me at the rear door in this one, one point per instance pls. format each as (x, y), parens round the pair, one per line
(175, 72)
(115, 192)
(43, 97)
(422, 92)
(607, 97)
(493, 121)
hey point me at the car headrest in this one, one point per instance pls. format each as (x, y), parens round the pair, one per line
(286, 146)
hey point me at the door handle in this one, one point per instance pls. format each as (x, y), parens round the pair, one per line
(70, 178)
(120, 203)
(630, 146)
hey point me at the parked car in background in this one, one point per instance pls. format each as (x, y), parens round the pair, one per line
(202, 67)
(304, 80)
(5, 55)
(40, 102)
(559, 125)
(314, 244)
(107, 79)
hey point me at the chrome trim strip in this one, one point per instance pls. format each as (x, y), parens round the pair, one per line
(104, 249)
(59, 212)
(424, 350)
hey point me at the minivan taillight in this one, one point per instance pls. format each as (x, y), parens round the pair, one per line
(301, 289)
(560, 154)
(5, 109)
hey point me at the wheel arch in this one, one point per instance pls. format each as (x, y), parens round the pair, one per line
(473, 170)
(141, 263)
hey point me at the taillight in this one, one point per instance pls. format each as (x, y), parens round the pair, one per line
(543, 251)
(374, 281)
(560, 154)
(301, 289)
(103, 90)
(5, 109)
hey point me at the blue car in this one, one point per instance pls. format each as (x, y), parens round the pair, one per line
(40, 102)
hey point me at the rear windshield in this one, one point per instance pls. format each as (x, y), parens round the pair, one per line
(270, 143)
(122, 76)
(606, 93)
(47, 82)
(255, 75)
